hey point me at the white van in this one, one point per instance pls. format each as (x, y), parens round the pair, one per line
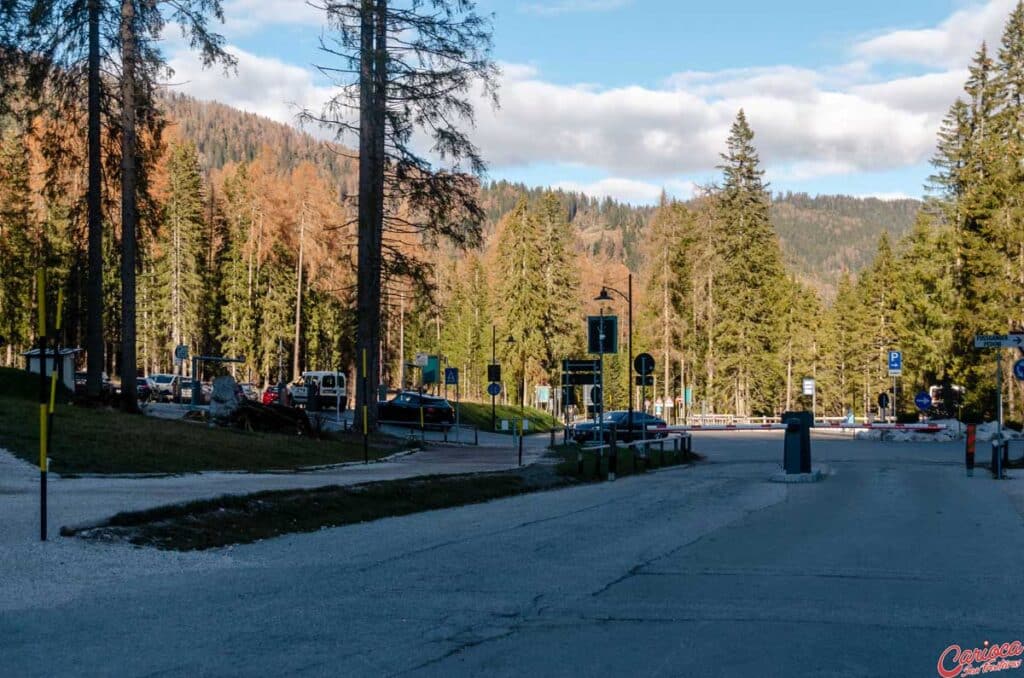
(331, 387)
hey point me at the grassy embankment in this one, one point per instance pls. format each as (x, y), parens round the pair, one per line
(87, 440)
(248, 518)
(479, 415)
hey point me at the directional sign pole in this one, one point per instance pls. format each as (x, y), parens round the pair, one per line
(999, 390)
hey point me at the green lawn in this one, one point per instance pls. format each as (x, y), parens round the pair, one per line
(479, 415)
(89, 440)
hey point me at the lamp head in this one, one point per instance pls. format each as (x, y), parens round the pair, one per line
(604, 296)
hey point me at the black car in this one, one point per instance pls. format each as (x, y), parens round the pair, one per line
(587, 431)
(106, 387)
(406, 406)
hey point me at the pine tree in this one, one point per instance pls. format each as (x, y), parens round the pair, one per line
(17, 262)
(752, 279)
(519, 296)
(183, 250)
(238, 334)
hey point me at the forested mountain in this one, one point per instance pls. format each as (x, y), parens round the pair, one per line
(825, 235)
(821, 236)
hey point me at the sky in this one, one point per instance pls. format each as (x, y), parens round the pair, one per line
(629, 98)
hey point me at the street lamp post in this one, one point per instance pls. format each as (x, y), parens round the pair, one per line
(605, 296)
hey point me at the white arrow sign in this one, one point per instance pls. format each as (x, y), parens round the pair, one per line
(999, 341)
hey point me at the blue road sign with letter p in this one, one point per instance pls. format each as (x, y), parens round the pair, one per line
(895, 363)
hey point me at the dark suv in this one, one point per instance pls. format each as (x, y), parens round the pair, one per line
(618, 421)
(405, 408)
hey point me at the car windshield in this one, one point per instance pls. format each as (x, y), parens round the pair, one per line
(163, 378)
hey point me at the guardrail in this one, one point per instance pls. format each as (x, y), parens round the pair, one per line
(642, 451)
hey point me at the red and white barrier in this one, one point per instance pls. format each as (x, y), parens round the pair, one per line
(920, 428)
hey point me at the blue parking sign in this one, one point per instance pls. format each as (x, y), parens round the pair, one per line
(451, 376)
(895, 363)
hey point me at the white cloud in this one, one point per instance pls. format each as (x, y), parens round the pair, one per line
(810, 123)
(245, 16)
(951, 44)
(267, 87)
(647, 133)
(568, 6)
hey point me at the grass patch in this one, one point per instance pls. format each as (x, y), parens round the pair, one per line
(248, 518)
(479, 415)
(243, 519)
(87, 440)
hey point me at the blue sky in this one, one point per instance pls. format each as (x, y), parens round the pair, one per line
(626, 97)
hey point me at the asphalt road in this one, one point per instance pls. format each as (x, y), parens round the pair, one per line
(704, 571)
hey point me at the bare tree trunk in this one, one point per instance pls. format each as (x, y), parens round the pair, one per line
(129, 208)
(94, 199)
(298, 297)
(372, 93)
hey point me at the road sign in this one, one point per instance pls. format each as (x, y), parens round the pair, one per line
(1018, 369)
(923, 401)
(432, 370)
(603, 334)
(808, 386)
(581, 365)
(494, 390)
(644, 364)
(999, 341)
(543, 395)
(895, 363)
(451, 376)
(644, 380)
(494, 372)
(181, 352)
(580, 379)
(421, 359)
(883, 400)
(595, 395)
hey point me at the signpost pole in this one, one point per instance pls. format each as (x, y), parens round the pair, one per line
(493, 361)
(366, 418)
(999, 391)
(599, 406)
(43, 414)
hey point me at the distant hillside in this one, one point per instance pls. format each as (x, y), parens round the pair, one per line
(821, 236)
(825, 235)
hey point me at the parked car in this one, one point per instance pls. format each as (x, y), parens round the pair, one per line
(618, 421)
(165, 386)
(405, 409)
(248, 391)
(330, 387)
(272, 394)
(143, 390)
(81, 379)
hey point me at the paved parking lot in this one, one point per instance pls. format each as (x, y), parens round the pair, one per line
(709, 570)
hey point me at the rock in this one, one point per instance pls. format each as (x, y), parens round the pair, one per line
(224, 401)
